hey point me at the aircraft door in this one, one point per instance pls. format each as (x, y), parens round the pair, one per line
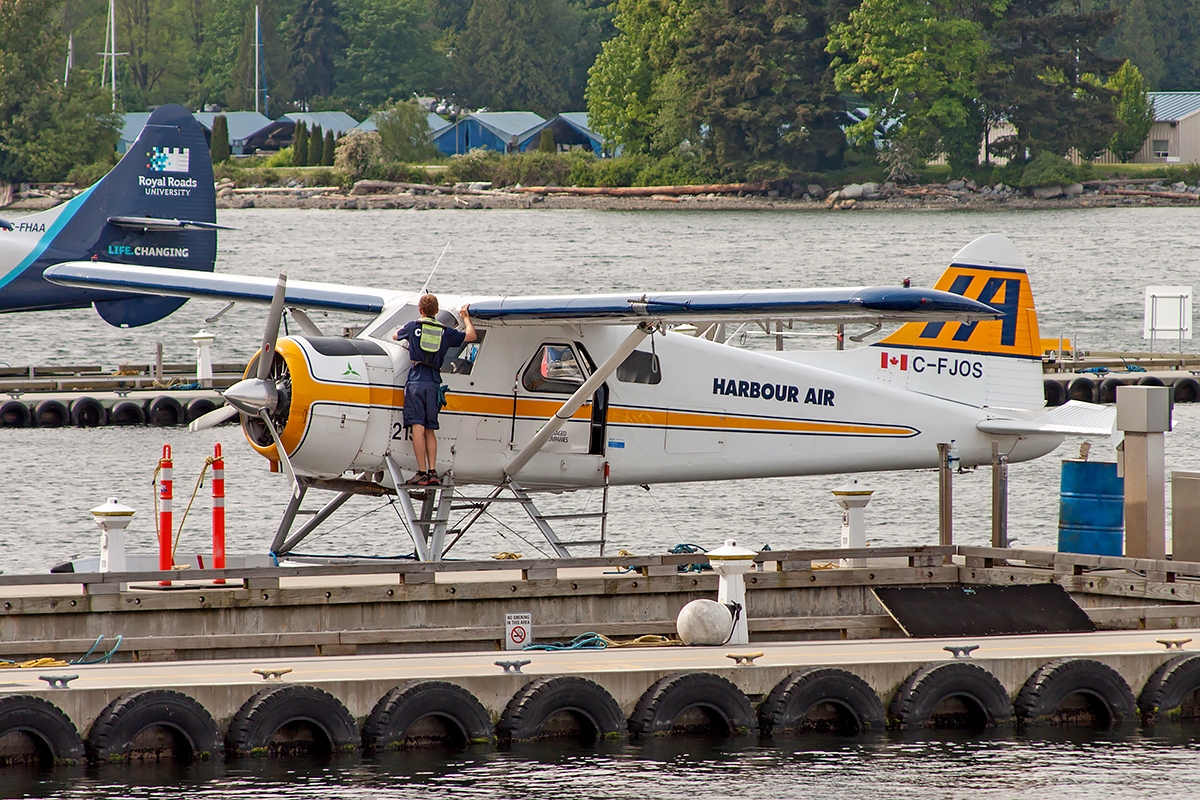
(552, 375)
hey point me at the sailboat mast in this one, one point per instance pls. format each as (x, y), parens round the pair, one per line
(257, 56)
(112, 49)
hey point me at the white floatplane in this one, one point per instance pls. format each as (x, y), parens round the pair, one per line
(584, 392)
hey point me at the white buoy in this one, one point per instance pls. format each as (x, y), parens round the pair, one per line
(731, 563)
(112, 519)
(852, 498)
(204, 371)
(703, 622)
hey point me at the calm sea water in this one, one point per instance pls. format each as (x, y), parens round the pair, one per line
(1088, 268)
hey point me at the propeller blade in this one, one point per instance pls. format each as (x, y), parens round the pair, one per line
(265, 416)
(271, 332)
(213, 418)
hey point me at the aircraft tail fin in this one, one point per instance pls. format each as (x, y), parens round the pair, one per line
(156, 207)
(992, 363)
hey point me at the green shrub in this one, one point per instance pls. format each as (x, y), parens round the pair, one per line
(1047, 169)
(219, 150)
(316, 147)
(474, 165)
(398, 172)
(357, 152)
(546, 141)
(281, 158)
(676, 169)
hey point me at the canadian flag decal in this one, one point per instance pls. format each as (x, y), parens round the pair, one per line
(888, 360)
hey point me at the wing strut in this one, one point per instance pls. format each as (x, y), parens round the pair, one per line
(572, 404)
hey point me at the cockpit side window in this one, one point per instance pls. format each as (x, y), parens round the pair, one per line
(462, 360)
(554, 369)
(639, 367)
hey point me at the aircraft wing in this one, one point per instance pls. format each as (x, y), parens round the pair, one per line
(864, 304)
(1073, 418)
(191, 283)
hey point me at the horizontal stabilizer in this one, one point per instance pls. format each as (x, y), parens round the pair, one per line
(190, 283)
(145, 224)
(1074, 418)
(863, 304)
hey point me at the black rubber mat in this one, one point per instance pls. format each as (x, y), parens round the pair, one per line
(984, 610)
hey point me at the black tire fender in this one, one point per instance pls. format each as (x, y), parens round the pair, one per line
(198, 407)
(51, 730)
(1082, 389)
(528, 711)
(394, 716)
(114, 734)
(1108, 390)
(1055, 392)
(1185, 390)
(51, 414)
(916, 701)
(1106, 691)
(88, 412)
(260, 717)
(668, 698)
(1149, 380)
(789, 704)
(126, 412)
(165, 412)
(14, 414)
(1168, 688)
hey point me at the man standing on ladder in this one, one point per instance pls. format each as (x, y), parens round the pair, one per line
(428, 341)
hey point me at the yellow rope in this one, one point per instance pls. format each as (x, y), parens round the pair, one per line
(37, 662)
(649, 640)
(829, 565)
(199, 482)
(506, 556)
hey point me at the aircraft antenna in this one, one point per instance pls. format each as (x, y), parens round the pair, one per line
(425, 286)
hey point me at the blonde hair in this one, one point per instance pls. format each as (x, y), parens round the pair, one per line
(428, 305)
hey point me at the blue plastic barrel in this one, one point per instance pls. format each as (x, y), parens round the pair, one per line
(1091, 510)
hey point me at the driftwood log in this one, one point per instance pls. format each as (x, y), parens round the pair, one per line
(646, 191)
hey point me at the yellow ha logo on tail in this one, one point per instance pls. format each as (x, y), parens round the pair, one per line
(1004, 288)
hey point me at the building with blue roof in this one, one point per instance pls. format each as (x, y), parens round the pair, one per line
(502, 131)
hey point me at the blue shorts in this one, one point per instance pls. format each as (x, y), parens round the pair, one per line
(421, 404)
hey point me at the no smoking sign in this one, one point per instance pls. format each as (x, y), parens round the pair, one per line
(518, 630)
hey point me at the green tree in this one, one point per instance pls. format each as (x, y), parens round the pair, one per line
(46, 128)
(316, 146)
(513, 55)
(917, 63)
(1050, 86)
(327, 152)
(300, 145)
(390, 52)
(314, 38)
(546, 142)
(219, 148)
(1134, 110)
(404, 132)
(749, 92)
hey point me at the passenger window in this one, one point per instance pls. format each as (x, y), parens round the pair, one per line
(554, 369)
(639, 367)
(462, 361)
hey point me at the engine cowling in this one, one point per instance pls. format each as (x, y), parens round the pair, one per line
(337, 403)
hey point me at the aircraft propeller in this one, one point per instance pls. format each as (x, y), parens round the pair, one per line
(258, 398)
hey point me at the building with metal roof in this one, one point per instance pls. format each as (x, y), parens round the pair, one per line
(1175, 136)
(436, 123)
(571, 132)
(249, 131)
(337, 121)
(503, 131)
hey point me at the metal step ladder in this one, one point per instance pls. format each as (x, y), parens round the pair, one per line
(428, 528)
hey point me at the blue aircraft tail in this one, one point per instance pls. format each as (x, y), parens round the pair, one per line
(157, 207)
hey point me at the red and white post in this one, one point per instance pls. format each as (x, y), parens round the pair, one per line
(166, 488)
(218, 511)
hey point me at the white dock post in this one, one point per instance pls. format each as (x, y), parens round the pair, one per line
(731, 563)
(1144, 414)
(852, 498)
(112, 519)
(999, 497)
(204, 371)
